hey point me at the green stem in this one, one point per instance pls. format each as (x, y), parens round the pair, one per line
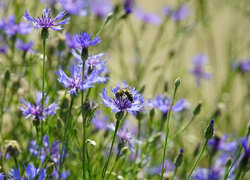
(183, 128)
(89, 168)
(225, 174)
(234, 161)
(196, 162)
(167, 131)
(113, 140)
(65, 134)
(175, 171)
(2, 159)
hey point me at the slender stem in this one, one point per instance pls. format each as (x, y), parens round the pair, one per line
(183, 128)
(65, 134)
(196, 162)
(2, 159)
(113, 140)
(84, 146)
(225, 174)
(15, 159)
(167, 131)
(175, 171)
(138, 136)
(89, 168)
(116, 160)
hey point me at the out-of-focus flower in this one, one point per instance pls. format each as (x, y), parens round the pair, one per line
(45, 21)
(2, 176)
(169, 166)
(150, 18)
(180, 14)
(128, 5)
(24, 46)
(101, 8)
(245, 158)
(34, 112)
(84, 40)
(219, 143)
(12, 28)
(198, 71)
(31, 173)
(99, 121)
(126, 99)
(50, 2)
(75, 82)
(74, 6)
(163, 104)
(242, 66)
(71, 41)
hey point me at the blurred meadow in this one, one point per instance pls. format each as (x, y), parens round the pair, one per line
(147, 44)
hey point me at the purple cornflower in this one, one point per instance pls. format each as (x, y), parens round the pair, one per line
(181, 13)
(74, 6)
(45, 22)
(3, 49)
(157, 170)
(163, 104)
(219, 143)
(84, 40)
(99, 121)
(12, 28)
(24, 46)
(34, 112)
(125, 99)
(199, 61)
(246, 147)
(150, 18)
(2, 176)
(245, 158)
(101, 8)
(30, 171)
(71, 41)
(75, 82)
(242, 66)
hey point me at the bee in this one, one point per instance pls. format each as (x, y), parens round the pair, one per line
(123, 93)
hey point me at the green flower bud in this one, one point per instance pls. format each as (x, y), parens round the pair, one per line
(177, 82)
(179, 159)
(84, 54)
(197, 109)
(209, 132)
(119, 115)
(12, 148)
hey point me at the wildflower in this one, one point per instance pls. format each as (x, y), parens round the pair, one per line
(12, 148)
(101, 8)
(75, 82)
(99, 121)
(31, 173)
(24, 46)
(71, 41)
(45, 22)
(34, 112)
(209, 132)
(244, 160)
(2, 176)
(126, 99)
(169, 166)
(163, 104)
(199, 61)
(219, 143)
(128, 5)
(181, 13)
(12, 28)
(149, 18)
(84, 40)
(242, 66)
(74, 6)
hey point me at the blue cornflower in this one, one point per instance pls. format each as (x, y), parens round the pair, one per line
(219, 143)
(199, 61)
(245, 146)
(125, 99)
(99, 121)
(75, 82)
(74, 6)
(242, 66)
(30, 171)
(24, 46)
(163, 104)
(101, 8)
(150, 18)
(12, 28)
(169, 166)
(2, 176)
(45, 22)
(34, 112)
(84, 40)
(180, 14)
(245, 158)
(71, 41)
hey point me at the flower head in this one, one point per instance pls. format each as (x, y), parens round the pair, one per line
(99, 121)
(101, 8)
(242, 66)
(219, 143)
(24, 46)
(199, 61)
(146, 17)
(84, 40)
(163, 104)
(125, 99)
(34, 111)
(71, 41)
(31, 173)
(74, 6)
(181, 13)
(169, 166)
(46, 22)
(245, 146)
(2, 176)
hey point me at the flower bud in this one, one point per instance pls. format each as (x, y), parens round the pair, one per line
(196, 150)
(124, 150)
(229, 162)
(84, 54)
(6, 78)
(197, 109)
(92, 143)
(50, 169)
(179, 159)
(209, 132)
(12, 148)
(155, 137)
(177, 82)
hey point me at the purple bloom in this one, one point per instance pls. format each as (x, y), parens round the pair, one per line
(218, 143)
(71, 41)
(101, 8)
(157, 170)
(242, 66)
(45, 22)
(181, 13)
(75, 82)
(12, 28)
(35, 111)
(128, 5)
(124, 99)
(3, 49)
(246, 147)
(84, 40)
(167, 10)
(74, 6)
(24, 46)
(2, 176)
(199, 61)
(164, 103)
(30, 171)
(99, 121)
(149, 18)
